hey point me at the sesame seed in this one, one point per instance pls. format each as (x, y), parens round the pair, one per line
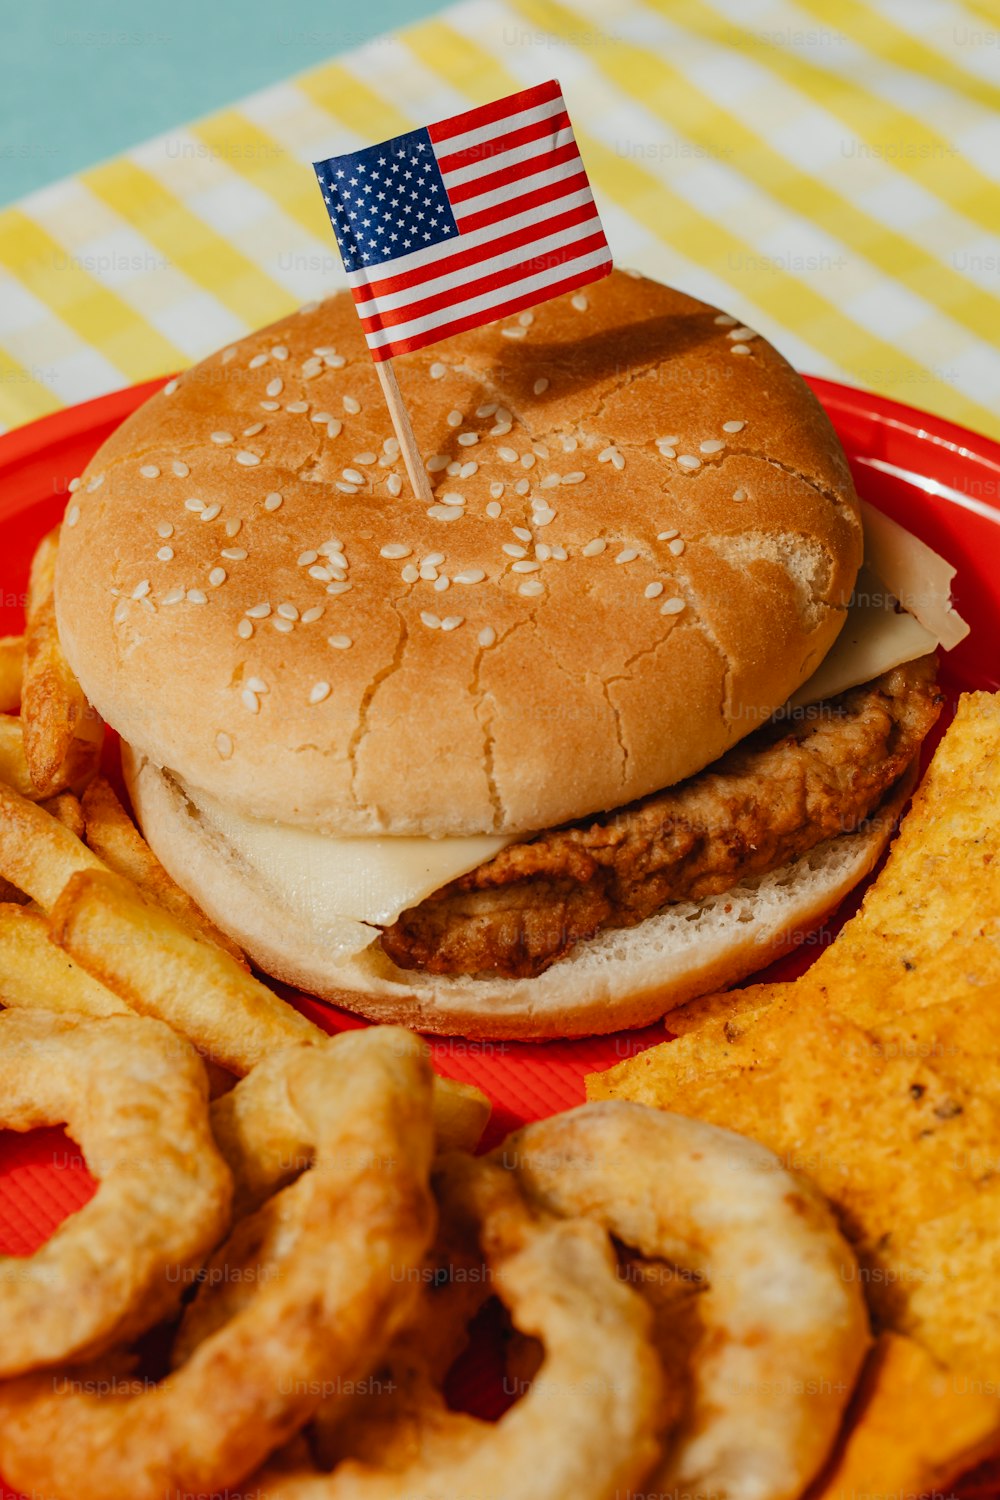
(353, 476)
(470, 575)
(569, 445)
(522, 487)
(672, 606)
(549, 481)
(509, 455)
(270, 406)
(234, 554)
(365, 458)
(577, 477)
(297, 407)
(432, 559)
(288, 611)
(739, 494)
(487, 636)
(141, 589)
(311, 368)
(665, 536)
(351, 405)
(595, 548)
(319, 691)
(283, 626)
(247, 459)
(467, 439)
(272, 501)
(74, 485)
(513, 333)
(233, 525)
(256, 684)
(72, 515)
(653, 590)
(395, 549)
(391, 447)
(244, 629)
(452, 622)
(222, 437)
(173, 596)
(250, 701)
(325, 350)
(165, 554)
(513, 550)
(526, 567)
(688, 461)
(542, 551)
(468, 469)
(714, 445)
(310, 616)
(340, 587)
(454, 469)
(540, 385)
(543, 515)
(223, 745)
(668, 452)
(740, 349)
(279, 351)
(725, 321)
(627, 555)
(496, 490)
(494, 509)
(331, 547)
(668, 442)
(193, 503)
(275, 386)
(394, 484)
(445, 512)
(170, 387)
(149, 471)
(528, 460)
(580, 302)
(216, 577)
(197, 596)
(605, 454)
(257, 361)
(259, 611)
(437, 462)
(320, 573)
(340, 642)
(500, 429)
(617, 460)
(437, 370)
(209, 512)
(454, 418)
(440, 584)
(453, 497)
(733, 426)
(741, 334)
(121, 612)
(227, 355)
(410, 574)
(253, 429)
(433, 622)
(560, 554)
(334, 428)
(522, 533)
(526, 319)
(531, 588)
(677, 546)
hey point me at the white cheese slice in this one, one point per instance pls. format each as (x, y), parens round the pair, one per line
(343, 883)
(877, 636)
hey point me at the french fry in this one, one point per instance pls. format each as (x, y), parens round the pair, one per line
(460, 1114)
(66, 808)
(115, 839)
(38, 854)
(160, 968)
(912, 1426)
(62, 732)
(34, 972)
(13, 763)
(11, 671)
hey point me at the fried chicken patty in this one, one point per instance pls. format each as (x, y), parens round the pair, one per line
(776, 795)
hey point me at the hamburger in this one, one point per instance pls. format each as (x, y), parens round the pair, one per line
(548, 756)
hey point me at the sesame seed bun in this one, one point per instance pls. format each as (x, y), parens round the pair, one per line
(619, 979)
(236, 585)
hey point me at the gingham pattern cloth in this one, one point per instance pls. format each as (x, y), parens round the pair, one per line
(830, 174)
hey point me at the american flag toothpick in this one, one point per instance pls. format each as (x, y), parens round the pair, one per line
(461, 222)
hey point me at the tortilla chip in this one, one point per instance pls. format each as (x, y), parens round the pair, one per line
(911, 1429)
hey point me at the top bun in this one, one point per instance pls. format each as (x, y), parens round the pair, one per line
(655, 544)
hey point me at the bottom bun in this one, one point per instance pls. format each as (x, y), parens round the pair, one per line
(620, 979)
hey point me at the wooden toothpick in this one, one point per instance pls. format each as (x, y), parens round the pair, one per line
(403, 429)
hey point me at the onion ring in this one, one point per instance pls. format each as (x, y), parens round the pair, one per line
(588, 1426)
(134, 1096)
(784, 1324)
(360, 1224)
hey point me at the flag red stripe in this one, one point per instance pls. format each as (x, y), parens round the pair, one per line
(516, 172)
(508, 142)
(432, 269)
(486, 114)
(522, 202)
(475, 320)
(421, 307)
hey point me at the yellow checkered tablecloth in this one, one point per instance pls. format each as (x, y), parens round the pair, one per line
(828, 173)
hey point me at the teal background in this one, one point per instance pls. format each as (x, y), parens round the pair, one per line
(81, 80)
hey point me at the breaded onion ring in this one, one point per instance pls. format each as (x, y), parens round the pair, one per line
(587, 1427)
(359, 1224)
(784, 1327)
(134, 1097)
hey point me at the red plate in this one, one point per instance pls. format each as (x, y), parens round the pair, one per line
(941, 481)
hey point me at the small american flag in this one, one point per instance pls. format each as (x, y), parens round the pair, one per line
(471, 219)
